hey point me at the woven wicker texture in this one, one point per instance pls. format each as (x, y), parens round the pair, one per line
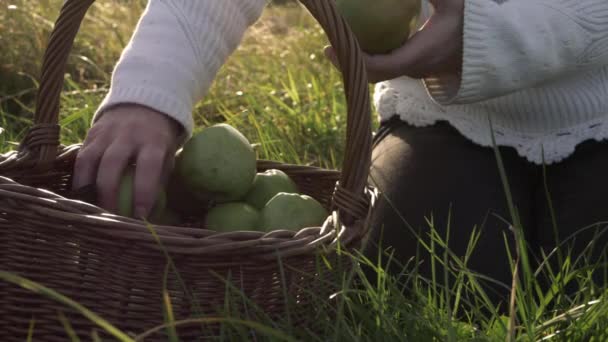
(115, 267)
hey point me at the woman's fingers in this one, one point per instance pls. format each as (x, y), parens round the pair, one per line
(113, 163)
(88, 158)
(149, 171)
(435, 49)
(432, 50)
(86, 165)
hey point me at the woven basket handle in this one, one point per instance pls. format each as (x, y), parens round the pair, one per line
(42, 140)
(348, 196)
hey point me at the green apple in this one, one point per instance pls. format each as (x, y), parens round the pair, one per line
(233, 216)
(266, 185)
(218, 160)
(125, 197)
(293, 212)
(380, 25)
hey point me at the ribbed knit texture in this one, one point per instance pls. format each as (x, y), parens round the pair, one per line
(537, 69)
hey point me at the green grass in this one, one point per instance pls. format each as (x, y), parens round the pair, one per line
(284, 96)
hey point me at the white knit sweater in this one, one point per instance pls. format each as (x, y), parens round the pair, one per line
(537, 69)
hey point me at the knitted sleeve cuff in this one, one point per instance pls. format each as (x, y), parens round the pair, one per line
(465, 87)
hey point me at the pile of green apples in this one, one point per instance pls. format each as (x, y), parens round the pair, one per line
(215, 177)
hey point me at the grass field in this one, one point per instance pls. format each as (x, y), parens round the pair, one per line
(285, 96)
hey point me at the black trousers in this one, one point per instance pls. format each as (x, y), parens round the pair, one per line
(435, 174)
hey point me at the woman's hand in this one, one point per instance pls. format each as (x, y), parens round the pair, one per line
(435, 50)
(128, 134)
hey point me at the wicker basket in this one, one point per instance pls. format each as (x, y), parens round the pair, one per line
(115, 267)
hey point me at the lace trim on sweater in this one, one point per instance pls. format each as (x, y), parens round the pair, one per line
(547, 148)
